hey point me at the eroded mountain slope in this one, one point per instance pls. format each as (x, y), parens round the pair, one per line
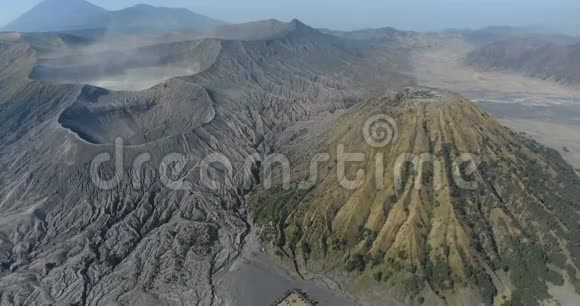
(439, 226)
(116, 235)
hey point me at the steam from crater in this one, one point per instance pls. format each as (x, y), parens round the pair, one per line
(130, 66)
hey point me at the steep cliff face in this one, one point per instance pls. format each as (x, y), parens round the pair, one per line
(452, 209)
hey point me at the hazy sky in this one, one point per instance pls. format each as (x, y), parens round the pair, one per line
(351, 14)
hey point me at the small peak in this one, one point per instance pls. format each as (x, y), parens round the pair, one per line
(297, 23)
(143, 6)
(412, 95)
(69, 2)
(301, 27)
(273, 21)
(64, 2)
(388, 29)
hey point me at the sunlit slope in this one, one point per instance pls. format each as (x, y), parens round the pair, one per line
(454, 234)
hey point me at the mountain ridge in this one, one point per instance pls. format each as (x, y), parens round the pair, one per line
(57, 15)
(540, 58)
(74, 15)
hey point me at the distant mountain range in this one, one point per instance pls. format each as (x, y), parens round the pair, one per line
(72, 15)
(542, 58)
